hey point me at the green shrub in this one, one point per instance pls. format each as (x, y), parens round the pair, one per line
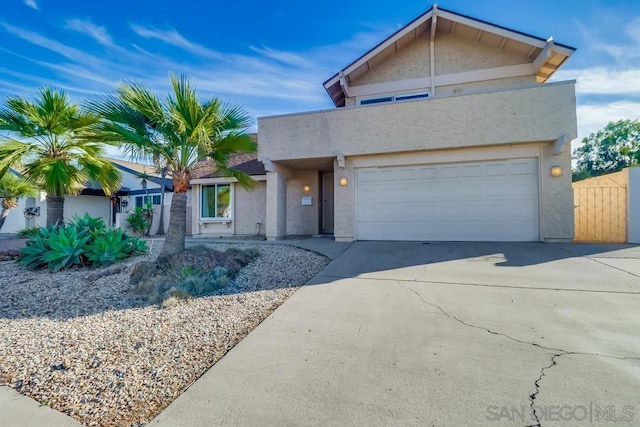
(28, 232)
(89, 224)
(84, 241)
(139, 220)
(193, 273)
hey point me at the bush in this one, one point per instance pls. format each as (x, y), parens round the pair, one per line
(139, 220)
(193, 273)
(28, 232)
(84, 241)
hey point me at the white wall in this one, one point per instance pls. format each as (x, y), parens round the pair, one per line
(16, 221)
(95, 206)
(633, 206)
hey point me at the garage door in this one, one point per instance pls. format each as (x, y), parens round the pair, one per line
(479, 201)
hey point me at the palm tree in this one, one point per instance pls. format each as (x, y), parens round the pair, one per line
(180, 130)
(11, 189)
(43, 140)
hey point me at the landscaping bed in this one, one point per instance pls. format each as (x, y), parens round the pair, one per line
(85, 343)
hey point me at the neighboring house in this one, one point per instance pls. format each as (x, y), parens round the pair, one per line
(447, 130)
(607, 207)
(92, 200)
(135, 193)
(220, 207)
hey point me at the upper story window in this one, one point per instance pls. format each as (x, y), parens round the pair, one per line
(393, 98)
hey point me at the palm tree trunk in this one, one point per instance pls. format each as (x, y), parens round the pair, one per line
(3, 216)
(161, 219)
(174, 243)
(55, 210)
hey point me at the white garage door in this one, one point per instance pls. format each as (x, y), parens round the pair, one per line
(480, 201)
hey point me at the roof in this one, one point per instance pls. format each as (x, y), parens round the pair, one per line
(546, 54)
(247, 163)
(244, 162)
(135, 167)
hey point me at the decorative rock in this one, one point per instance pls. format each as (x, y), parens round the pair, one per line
(130, 359)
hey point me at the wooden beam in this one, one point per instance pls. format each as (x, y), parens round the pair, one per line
(530, 54)
(503, 43)
(544, 55)
(344, 85)
(432, 49)
(453, 27)
(434, 22)
(478, 35)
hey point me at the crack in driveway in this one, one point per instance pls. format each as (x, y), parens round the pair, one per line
(557, 352)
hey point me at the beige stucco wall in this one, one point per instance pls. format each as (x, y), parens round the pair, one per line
(537, 113)
(302, 220)
(556, 204)
(250, 209)
(409, 62)
(454, 54)
(466, 88)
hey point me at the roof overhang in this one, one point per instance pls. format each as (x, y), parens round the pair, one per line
(546, 55)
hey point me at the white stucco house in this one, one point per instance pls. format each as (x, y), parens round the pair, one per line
(448, 130)
(93, 201)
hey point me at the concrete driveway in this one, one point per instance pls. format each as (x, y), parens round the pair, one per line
(440, 334)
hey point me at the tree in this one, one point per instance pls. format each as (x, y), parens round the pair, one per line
(43, 140)
(611, 149)
(11, 189)
(179, 131)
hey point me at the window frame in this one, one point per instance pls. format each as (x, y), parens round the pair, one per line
(387, 99)
(202, 203)
(142, 200)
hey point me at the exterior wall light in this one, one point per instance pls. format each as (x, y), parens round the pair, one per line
(306, 188)
(343, 182)
(555, 171)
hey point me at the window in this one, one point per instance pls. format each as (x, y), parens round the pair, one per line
(143, 200)
(216, 201)
(393, 98)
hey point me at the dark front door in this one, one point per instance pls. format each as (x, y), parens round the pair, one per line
(327, 202)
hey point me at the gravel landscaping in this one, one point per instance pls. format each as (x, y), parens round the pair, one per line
(83, 343)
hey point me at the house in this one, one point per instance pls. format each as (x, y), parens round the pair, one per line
(607, 207)
(141, 184)
(92, 200)
(448, 130)
(218, 206)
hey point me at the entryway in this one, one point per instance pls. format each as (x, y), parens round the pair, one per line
(326, 213)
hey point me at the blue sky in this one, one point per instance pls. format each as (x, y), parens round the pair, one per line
(272, 57)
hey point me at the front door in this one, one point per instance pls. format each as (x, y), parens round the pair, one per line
(327, 203)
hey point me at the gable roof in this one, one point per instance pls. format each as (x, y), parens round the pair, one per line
(546, 54)
(140, 168)
(247, 163)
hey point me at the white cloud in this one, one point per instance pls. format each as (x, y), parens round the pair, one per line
(282, 56)
(32, 4)
(604, 81)
(594, 116)
(174, 38)
(90, 29)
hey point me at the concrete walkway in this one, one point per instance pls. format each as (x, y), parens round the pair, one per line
(439, 334)
(17, 410)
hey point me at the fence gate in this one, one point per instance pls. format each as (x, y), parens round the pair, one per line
(600, 214)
